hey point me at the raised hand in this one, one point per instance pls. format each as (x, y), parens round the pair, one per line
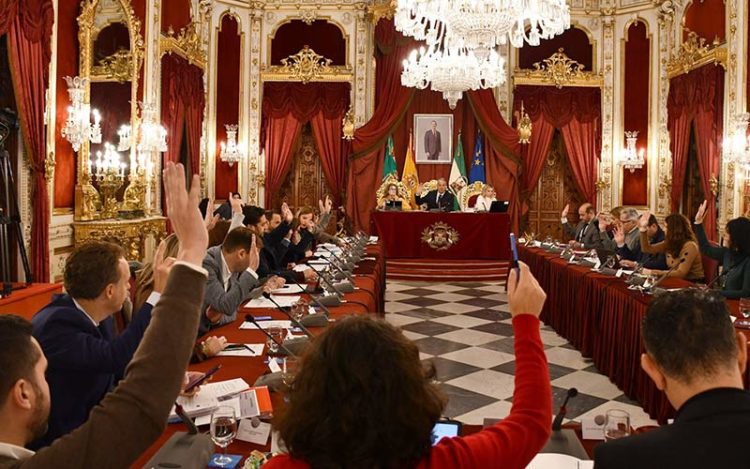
(619, 235)
(254, 255)
(162, 267)
(603, 221)
(564, 213)
(701, 213)
(525, 296)
(643, 220)
(286, 213)
(235, 203)
(329, 204)
(186, 219)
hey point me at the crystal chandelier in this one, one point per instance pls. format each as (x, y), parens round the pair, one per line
(736, 145)
(230, 151)
(452, 70)
(108, 163)
(632, 158)
(152, 136)
(78, 128)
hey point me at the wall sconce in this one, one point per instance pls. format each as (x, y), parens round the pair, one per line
(78, 128)
(631, 158)
(230, 152)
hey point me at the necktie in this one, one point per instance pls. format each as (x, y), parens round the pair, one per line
(583, 232)
(438, 199)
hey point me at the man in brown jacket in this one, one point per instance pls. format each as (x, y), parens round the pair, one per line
(132, 417)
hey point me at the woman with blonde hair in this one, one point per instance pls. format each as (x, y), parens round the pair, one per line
(391, 195)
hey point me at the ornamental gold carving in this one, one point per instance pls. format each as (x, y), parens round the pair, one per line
(558, 70)
(440, 236)
(524, 126)
(306, 66)
(695, 53)
(130, 234)
(116, 67)
(187, 43)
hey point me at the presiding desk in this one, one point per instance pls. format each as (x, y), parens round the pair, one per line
(602, 318)
(369, 298)
(27, 300)
(443, 235)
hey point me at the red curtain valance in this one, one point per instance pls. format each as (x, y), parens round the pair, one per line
(305, 100)
(700, 90)
(560, 106)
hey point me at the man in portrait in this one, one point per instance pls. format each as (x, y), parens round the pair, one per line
(432, 142)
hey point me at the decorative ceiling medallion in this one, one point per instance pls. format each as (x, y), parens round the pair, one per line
(558, 70)
(694, 53)
(187, 44)
(440, 236)
(306, 66)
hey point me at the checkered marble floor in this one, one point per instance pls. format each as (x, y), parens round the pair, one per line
(465, 330)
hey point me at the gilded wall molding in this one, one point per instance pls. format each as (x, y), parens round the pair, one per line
(557, 70)
(663, 177)
(187, 43)
(695, 53)
(306, 66)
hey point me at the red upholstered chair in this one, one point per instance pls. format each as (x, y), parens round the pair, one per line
(473, 200)
(710, 266)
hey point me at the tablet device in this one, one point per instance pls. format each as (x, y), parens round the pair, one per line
(499, 206)
(393, 205)
(605, 254)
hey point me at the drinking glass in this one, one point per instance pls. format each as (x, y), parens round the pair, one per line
(289, 370)
(617, 425)
(744, 312)
(223, 431)
(278, 335)
(299, 310)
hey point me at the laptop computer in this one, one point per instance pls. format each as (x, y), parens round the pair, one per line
(499, 206)
(605, 254)
(394, 205)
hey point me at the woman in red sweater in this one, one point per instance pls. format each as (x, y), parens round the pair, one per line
(363, 399)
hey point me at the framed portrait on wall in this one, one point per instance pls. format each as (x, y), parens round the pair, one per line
(433, 134)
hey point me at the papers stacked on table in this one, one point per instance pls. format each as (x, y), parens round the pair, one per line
(286, 290)
(208, 398)
(248, 404)
(558, 461)
(267, 325)
(263, 302)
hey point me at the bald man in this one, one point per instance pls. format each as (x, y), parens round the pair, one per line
(440, 199)
(586, 234)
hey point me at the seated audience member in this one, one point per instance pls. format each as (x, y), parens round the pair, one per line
(586, 233)
(694, 356)
(217, 230)
(391, 195)
(225, 210)
(680, 247)
(630, 257)
(302, 237)
(485, 199)
(129, 419)
(320, 225)
(628, 222)
(734, 258)
(615, 212)
(231, 277)
(144, 285)
(362, 398)
(439, 199)
(76, 332)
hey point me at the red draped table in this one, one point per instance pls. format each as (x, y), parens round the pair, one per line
(413, 234)
(369, 278)
(599, 316)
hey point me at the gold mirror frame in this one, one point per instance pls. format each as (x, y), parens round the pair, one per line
(87, 199)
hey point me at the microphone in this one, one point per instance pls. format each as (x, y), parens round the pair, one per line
(720, 276)
(341, 261)
(268, 296)
(557, 423)
(346, 274)
(251, 318)
(326, 281)
(314, 300)
(652, 288)
(192, 429)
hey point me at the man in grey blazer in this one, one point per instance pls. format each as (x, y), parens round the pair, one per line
(231, 277)
(586, 233)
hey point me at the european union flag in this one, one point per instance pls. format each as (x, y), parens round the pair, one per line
(477, 161)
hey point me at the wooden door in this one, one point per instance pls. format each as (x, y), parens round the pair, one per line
(555, 188)
(305, 183)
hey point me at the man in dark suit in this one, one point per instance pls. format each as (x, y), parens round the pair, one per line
(629, 257)
(134, 415)
(231, 277)
(694, 355)
(432, 146)
(440, 199)
(586, 233)
(76, 333)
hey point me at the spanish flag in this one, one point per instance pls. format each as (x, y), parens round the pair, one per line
(410, 178)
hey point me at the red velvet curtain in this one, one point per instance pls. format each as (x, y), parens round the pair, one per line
(696, 97)
(576, 112)
(182, 103)
(394, 110)
(29, 27)
(193, 132)
(286, 107)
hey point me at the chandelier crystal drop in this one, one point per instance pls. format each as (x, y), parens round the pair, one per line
(78, 128)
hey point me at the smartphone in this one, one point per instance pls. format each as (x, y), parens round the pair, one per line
(445, 429)
(514, 252)
(198, 381)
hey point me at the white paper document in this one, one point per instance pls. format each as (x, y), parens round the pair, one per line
(301, 268)
(256, 435)
(286, 290)
(245, 406)
(263, 302)
(267, 325)
(374, 239)
(558, 461)
(317, 262)
(209, 397)
(251, 350)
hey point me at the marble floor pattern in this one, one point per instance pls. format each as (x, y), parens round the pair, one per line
(465, 330)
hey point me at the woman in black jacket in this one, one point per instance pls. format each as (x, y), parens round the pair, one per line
(734, 258)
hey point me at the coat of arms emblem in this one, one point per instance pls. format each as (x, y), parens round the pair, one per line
(440, 236)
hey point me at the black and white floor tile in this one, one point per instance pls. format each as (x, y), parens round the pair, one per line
(465, 330)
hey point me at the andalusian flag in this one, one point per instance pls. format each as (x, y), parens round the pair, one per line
(410, 178)
(477, 161)
(389, 166)
(457, 179)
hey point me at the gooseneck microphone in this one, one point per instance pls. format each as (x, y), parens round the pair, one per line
(342, 262)
(557, 423)
(268, 296)
(663, 277)
(251, 318)
(192, 429)
(723, 274)
(326, 281)
(326, 311)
